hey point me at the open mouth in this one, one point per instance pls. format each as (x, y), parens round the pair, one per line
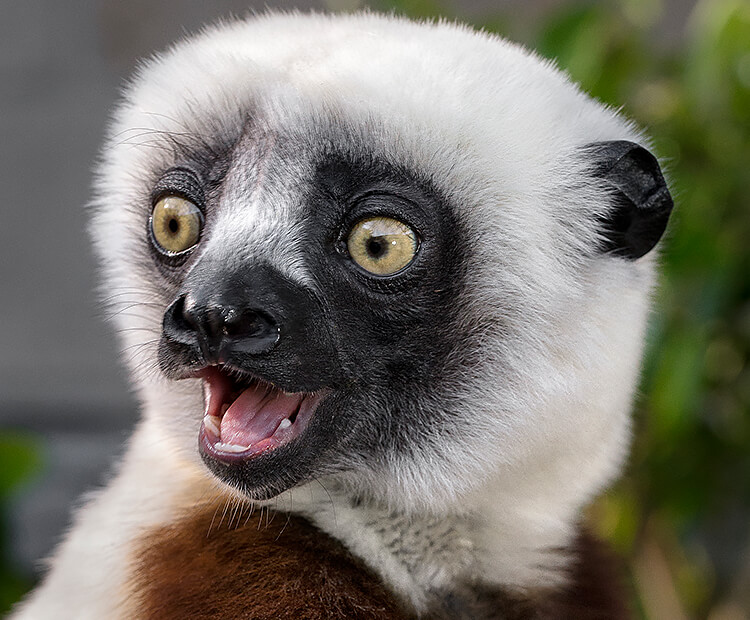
(248, 417)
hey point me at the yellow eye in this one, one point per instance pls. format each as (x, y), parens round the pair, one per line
(382, 245)
(175, 224)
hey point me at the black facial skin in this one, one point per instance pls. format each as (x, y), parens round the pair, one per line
(375, 343)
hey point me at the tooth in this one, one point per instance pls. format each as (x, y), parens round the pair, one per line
(230, 447)
(211, 422)
(285, 423)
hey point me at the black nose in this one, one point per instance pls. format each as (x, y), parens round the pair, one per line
(253, 318)
(220, 326)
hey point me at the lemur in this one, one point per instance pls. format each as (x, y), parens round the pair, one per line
(381, 287)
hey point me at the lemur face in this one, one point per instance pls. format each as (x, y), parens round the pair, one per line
(302, 372)
(410, 274)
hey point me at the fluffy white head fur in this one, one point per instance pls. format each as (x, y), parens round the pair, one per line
(559, 328)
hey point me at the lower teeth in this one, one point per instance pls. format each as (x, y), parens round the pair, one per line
(230, 447)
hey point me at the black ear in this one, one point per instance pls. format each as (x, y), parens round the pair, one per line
(642, 203)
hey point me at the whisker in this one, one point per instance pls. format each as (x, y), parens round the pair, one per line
(224, 514)
(250, 512)
(330, 499)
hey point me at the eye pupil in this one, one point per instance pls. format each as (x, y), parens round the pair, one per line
(174, 225)
(375, 247)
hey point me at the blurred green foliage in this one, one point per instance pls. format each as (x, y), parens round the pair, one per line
(19, 460)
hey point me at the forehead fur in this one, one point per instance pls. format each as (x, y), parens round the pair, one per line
(446, 93)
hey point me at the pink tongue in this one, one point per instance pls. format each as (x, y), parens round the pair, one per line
(256, 414)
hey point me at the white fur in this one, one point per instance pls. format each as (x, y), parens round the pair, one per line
(497, 129)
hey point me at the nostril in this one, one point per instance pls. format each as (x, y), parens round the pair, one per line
(180, 324)
(180, 316)
(248, 323)
(184, 315)
(253, 331)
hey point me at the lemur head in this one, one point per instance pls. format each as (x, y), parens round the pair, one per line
(411, 257)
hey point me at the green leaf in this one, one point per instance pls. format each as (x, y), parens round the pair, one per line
(19, 459)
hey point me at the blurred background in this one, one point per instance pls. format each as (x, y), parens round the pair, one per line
(681, 514)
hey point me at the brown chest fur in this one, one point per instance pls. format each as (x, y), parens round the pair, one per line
(275, 566)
